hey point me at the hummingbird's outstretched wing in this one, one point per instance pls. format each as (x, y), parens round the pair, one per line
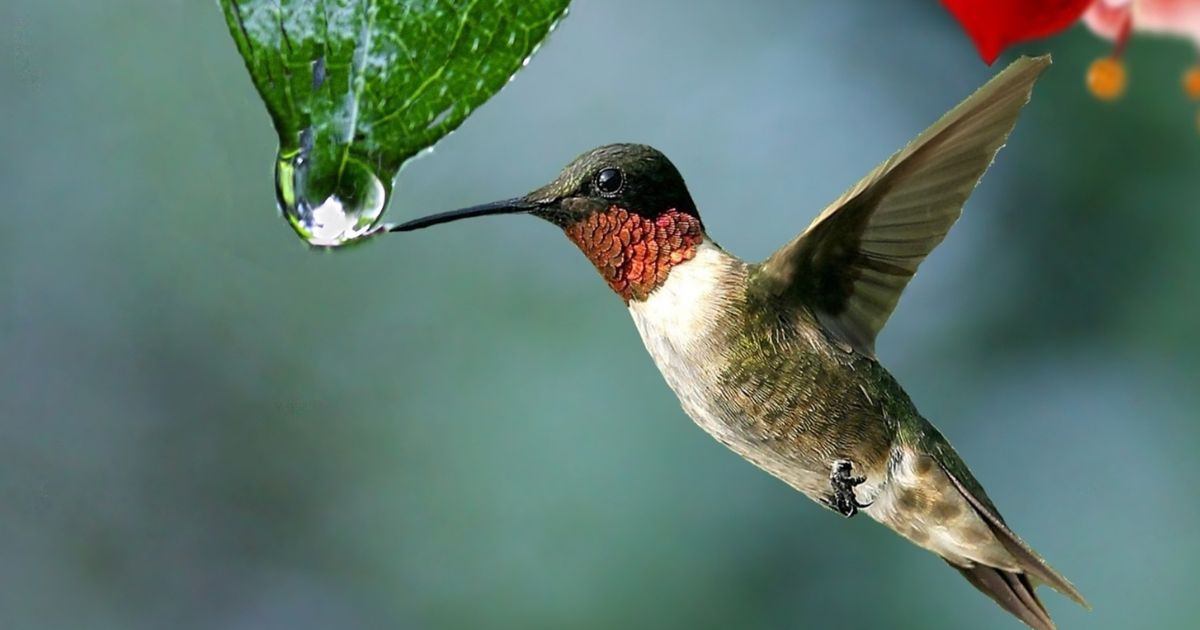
(852, 263)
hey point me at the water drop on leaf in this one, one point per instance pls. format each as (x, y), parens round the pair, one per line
(329, 207)
(356, 89)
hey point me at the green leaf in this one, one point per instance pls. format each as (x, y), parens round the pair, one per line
(357, 87)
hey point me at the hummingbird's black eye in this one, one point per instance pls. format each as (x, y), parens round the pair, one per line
(609, 182)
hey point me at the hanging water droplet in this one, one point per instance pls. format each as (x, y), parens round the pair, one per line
(329, 207)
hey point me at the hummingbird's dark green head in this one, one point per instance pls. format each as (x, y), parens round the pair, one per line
(626, 207)
(635, 177)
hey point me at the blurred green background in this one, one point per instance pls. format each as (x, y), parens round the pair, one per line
(203, 424)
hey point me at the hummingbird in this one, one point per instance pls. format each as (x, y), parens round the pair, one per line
(776, 360)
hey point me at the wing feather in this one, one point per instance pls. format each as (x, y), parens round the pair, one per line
(851, 265)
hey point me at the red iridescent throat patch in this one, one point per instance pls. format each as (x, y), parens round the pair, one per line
(634, 253)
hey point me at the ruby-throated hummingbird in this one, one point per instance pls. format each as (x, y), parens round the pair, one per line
(776, 360)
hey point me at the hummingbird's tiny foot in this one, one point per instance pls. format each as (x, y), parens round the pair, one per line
(843, 483)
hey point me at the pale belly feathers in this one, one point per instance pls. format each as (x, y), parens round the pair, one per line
(677, 323)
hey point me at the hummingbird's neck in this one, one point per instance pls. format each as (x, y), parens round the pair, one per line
(635, 253)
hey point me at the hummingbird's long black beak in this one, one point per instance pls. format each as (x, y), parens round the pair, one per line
(516, 205)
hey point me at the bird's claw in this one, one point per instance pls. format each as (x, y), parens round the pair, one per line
(840, 480)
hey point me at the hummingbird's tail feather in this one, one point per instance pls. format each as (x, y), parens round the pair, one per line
(1013, 591)
(1031, 563)
(930, 497)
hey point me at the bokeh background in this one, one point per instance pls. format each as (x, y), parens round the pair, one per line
(203, 424)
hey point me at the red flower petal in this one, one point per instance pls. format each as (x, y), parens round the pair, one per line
(996, 24)
(1108, 19)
